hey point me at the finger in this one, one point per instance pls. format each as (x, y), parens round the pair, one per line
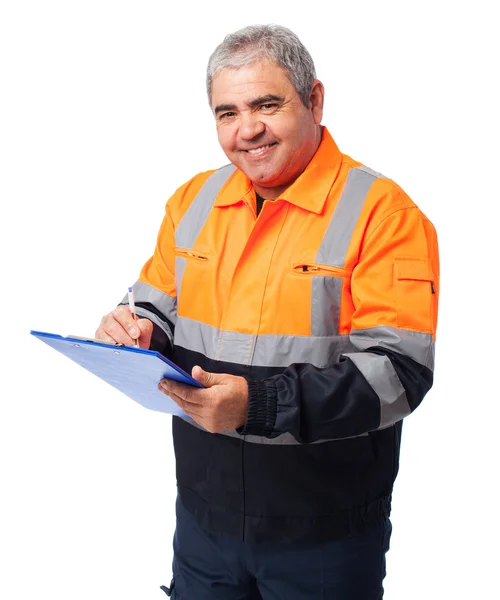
(189, 408)
(146, 332)
(178, 398)
(111, 331)
(207, 379)
(198, 412)
(179, 389)
(188, 393)
(100, 334)
(111, 328)
(123, 317)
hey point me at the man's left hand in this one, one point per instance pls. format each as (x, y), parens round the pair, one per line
(223, 405)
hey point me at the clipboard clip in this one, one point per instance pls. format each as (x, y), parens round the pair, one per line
(95, 341)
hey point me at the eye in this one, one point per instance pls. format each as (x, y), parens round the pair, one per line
(226, 115)
(269, 106)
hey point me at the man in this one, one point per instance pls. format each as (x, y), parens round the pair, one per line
(300, 288)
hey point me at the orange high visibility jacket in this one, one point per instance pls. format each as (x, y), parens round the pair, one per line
(326, 302)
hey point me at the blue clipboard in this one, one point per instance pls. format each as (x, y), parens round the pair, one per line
(134, 371)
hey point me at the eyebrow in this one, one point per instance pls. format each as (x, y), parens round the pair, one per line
(252, 104)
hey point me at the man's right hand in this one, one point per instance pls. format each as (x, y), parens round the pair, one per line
(119, 326)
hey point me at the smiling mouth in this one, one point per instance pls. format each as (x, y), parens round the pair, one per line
(260, 149)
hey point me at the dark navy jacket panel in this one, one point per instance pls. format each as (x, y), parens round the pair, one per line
(325, 490)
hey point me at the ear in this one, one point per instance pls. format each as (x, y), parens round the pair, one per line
(316, 100)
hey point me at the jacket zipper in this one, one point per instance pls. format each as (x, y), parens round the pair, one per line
(190, 254)
(321, 270)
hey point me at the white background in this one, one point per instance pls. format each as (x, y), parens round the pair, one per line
(103, 115)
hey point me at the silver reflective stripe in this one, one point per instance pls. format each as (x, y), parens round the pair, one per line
(284, 350)
(325, 305)
(196, 215)
(371, 172)
(416, 345)
(227, 346)
(180, 266)
(326, 291)
(167, 305)
(146, 314)
(270, 350)
(286, 439)
(382, 377)
(143, 292)
(338, 236)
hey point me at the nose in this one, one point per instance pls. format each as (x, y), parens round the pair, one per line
(250, 126)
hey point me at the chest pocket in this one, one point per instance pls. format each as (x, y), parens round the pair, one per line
(326, 294)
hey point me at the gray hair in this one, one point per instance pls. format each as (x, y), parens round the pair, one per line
(266, 42)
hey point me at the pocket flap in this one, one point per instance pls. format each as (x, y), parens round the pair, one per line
(420, 270)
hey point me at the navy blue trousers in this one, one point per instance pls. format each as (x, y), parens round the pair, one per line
(209, 567)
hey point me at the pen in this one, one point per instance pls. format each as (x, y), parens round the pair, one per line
(131, 304)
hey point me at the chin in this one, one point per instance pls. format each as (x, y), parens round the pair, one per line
(263, 176)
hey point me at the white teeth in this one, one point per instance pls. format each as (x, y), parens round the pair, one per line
(257, 150)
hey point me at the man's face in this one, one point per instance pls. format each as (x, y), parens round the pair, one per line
(263, 126)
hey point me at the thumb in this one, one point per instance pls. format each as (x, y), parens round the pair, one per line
(205, 378)
(146, 329)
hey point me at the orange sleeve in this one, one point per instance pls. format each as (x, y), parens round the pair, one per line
(159, 270)
(396, 281)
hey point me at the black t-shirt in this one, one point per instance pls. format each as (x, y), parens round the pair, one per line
(260, 202)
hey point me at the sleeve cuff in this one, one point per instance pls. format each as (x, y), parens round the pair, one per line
(262, 408)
